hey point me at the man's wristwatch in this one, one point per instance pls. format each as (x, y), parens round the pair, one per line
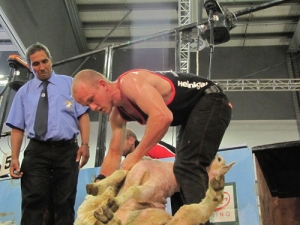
(100, 177)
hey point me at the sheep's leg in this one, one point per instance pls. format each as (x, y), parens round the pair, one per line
(105, 216)
(105, 213)
(99, 187)
(85, 213)
(195, 214)
(144, 193)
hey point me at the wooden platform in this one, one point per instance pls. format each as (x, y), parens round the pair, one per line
(278, 177)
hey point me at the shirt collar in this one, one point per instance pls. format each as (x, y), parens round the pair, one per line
(38, 82)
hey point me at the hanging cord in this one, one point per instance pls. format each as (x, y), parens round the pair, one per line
(263, 70)
(211, 41)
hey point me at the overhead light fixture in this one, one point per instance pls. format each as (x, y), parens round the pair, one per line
(219, 22)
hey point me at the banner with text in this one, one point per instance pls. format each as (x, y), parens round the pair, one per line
(227, 212)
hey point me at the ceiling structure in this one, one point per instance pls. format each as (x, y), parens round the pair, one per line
(5, 41)
(100, 23)
(113, 22)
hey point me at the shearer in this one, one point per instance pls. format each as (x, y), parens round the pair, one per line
(160, 100)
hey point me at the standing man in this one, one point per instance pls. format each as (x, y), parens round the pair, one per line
(159, 100)
(52, 159)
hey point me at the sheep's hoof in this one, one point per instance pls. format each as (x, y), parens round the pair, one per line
(105, 215)
(98, 214)
(95, 191)
(89, 188)
(112, 204)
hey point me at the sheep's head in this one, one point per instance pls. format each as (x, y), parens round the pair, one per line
(218, 167)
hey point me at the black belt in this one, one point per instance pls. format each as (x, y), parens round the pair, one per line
(216, 89)
(52, 143)
(213, 89)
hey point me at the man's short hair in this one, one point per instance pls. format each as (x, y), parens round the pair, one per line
(130, 133)
(34, 48)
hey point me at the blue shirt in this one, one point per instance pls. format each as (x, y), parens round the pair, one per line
(63, 109)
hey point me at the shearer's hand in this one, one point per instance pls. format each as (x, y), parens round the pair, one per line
(130, 160)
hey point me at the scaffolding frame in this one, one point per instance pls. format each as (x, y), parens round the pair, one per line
(292, 84)
(184, 47)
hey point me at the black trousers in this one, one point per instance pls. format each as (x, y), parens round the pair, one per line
(197, 144)
(49, 184)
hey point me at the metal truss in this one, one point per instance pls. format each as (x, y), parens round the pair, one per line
(260, 84)
(184, 19)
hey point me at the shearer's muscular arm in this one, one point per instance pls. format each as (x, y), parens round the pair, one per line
(150, 93)
(113, 158)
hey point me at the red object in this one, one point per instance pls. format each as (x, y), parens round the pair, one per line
(159, 151)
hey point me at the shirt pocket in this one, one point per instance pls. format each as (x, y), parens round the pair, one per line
(67, 104)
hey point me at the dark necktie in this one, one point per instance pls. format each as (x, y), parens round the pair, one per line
(41, 117)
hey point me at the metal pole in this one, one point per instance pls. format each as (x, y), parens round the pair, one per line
(199, 18)
(147, 38)
(260, 7)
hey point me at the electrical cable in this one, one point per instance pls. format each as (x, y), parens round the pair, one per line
(263, 70)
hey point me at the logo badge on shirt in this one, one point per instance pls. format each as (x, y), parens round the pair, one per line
(69, 104)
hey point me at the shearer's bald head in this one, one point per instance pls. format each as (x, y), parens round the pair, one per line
(84, 83)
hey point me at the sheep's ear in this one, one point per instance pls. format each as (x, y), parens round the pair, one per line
(224, 169)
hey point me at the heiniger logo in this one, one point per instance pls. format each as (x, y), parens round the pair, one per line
(187, 84)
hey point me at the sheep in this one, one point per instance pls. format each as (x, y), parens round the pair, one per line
(139, 196)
